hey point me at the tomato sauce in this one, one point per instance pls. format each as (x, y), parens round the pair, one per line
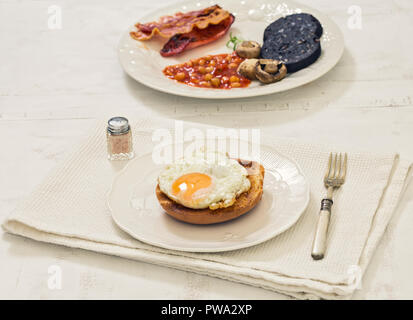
(213, 71)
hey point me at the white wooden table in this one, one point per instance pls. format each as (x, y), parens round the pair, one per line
(55, 83)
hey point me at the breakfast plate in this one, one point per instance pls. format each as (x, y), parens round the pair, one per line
(142, 61)
(135, 209)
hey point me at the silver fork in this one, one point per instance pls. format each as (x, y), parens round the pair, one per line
(333, 179)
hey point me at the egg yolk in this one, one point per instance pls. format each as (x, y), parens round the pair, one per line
(185, 186)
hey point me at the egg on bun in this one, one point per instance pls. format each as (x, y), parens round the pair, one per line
(209, 187)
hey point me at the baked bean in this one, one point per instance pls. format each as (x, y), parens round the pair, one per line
(180, 76)
(218, 71)
(215, 82)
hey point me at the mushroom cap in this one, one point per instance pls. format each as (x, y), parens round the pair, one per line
(273, 71)
(248, 49)
(247, 68)
(270, 66)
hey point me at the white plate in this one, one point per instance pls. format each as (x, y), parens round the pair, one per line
(142, 61)
(135, 209)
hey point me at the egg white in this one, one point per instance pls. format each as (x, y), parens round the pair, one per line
(229, 179)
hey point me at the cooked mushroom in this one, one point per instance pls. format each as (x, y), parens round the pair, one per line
(273, 71)
(247, 68)
(270, 66)
(248, 49)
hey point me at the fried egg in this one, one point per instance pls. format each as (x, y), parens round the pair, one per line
(204, 180)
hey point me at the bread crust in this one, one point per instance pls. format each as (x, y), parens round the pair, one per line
(243, 204)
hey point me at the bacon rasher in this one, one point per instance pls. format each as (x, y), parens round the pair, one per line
(186, 30)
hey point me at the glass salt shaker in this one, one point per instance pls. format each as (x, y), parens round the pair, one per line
(119, 139)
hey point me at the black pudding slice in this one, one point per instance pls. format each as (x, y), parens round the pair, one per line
(302, 22)
(294, 39)
(296, 53)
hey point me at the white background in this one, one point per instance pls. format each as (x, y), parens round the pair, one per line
(54, 84)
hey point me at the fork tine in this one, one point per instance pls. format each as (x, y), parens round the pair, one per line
(334, 167)
(329, 166)
(343, 176)
(338, 173)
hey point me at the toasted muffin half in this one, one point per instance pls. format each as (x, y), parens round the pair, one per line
(244, 203)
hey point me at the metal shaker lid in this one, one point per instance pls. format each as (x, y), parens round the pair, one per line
(118, 125)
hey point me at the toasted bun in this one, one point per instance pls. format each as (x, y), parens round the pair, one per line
(244, 203)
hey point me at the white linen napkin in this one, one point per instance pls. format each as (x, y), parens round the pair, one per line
(69, 209)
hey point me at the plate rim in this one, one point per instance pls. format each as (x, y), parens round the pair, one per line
(198, 94)
(208, 250)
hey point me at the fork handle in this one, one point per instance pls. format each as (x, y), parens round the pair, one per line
(320, 237)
